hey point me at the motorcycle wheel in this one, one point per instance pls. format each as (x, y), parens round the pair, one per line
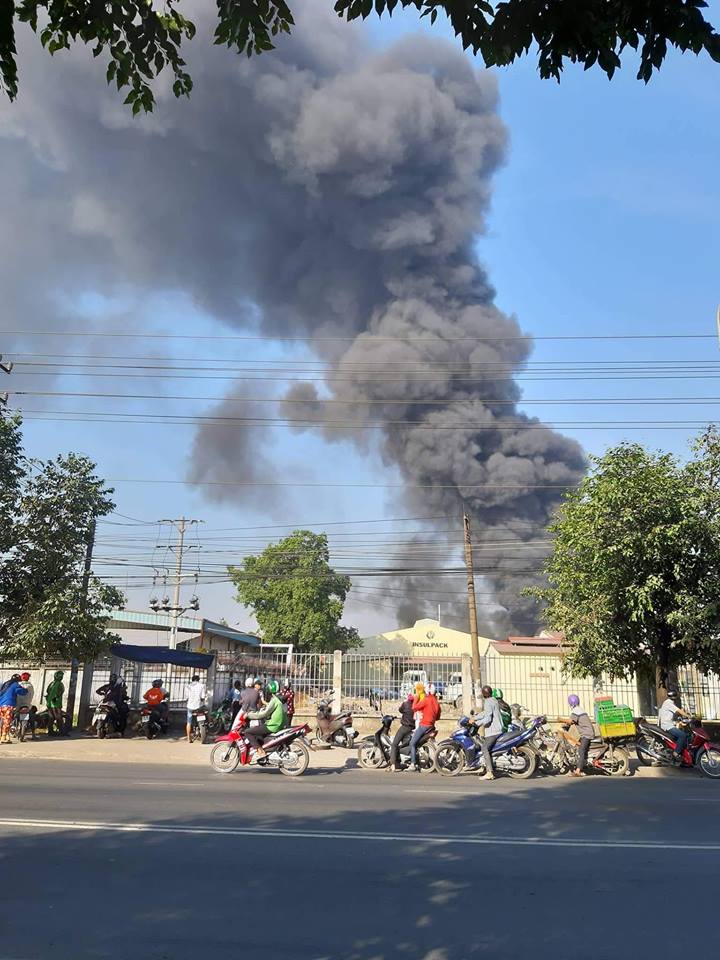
(203, 735)
(529, 764)
(370, 756)
(101, 731)
(709, 763)
(426, 756)
(294, 759)
(642, 757)
(148, 731)
(21, 733)
(224, 757)
(450, 759)
(619, 762)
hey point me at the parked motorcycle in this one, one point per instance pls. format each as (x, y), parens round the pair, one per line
(654, 745)
(285, 751)
(511, 752)
(220, 720)
(198, 725)
(374, 752)
(20, 723)
(335, 730)
(153, 720)
(108, 718)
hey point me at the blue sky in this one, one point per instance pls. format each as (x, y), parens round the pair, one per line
(604, 220)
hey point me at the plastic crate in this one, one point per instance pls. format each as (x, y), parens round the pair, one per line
(602, 702)
(622, 729)
(613, 714)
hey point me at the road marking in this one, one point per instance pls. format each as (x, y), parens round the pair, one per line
(481, 841)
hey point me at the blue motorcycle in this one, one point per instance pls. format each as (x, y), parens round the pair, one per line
(510, 754)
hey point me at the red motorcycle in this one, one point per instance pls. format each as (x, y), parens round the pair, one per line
(284, 751)
(654, 745)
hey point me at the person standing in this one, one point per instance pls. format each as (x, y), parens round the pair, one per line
(404, 732)
(195, 694)
(492, 721)
(287, 695)
(580, 719)
(26, 700)
(9, 693)
(53, 702)
(427, 706)
(249, 699)
(234, 696)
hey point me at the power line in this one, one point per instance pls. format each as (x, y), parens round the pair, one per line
(367, 337)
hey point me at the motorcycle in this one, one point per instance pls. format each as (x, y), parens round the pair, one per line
(108, 718)
(153, 721)
(557, 754)
(654, 745)
(374, 752)
(220, 720)
(285, 750)
(20, 723)
(335, 730)
(511, 752)
(198, 725)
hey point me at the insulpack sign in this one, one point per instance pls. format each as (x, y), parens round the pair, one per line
(436, 644)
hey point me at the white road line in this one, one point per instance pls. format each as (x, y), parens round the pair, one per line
(480, 841)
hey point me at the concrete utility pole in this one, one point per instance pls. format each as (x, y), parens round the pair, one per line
(74, 666)
(176, 609)
(472, 607)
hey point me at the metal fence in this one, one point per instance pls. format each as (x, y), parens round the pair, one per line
(372, 684)
(311, 674)
(139, 677)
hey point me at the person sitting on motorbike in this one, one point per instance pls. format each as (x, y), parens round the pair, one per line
(505, 710)
(580, 719)
(157, 697)
(272, 719)
(667, 714)
(492, 721)
(115, 692)
(26, 700)
(427, 706)
(405, 731)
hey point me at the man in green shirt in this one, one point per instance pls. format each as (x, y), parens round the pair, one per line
(53, 701)
(274, 717)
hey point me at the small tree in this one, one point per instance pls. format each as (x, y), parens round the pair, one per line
(46, 610)
(295, 594)
(634, 576)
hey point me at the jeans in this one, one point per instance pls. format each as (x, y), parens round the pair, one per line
(257, 734)
(414, 740)
(403, 734)
(681, 738)
(486, 745)
(583, 748)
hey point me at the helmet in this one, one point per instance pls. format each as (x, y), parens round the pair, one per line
(498, 694)
(419, 688)
(113, 678)
(25, 676)
(574, 700)
(58, 675)
(673, 694)
(157, 683)
(15, 676)
(272, 687)
(249, 681)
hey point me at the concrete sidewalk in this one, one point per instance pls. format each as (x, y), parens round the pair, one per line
(132, 749)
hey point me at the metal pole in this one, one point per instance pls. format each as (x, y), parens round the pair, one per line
(85, 587)
(472, 608)
(178, 581)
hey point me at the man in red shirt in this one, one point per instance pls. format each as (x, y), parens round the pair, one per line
(157, 697)
(427, 706)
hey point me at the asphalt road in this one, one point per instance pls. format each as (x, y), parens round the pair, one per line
(129, 862)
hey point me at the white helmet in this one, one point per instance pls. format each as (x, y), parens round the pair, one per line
(249, 681)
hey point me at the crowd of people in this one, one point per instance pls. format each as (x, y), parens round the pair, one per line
(17, 695)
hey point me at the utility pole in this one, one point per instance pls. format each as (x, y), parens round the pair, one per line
(6, 367)
(74, 664)
(174, 610)
(472, 607)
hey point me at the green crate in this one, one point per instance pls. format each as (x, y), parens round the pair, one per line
(612, 714)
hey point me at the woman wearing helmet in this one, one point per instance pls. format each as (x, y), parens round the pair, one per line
(271, 717)
(585, 729)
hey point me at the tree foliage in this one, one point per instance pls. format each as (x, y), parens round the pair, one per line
(45, 517)
(634, 576)
(140, 41)
(295, 594)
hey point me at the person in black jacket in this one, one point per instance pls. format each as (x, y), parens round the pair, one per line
(405, 731)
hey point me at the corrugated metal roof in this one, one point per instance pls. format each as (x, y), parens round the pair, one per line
(142, 619)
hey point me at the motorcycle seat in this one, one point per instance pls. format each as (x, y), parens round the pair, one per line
(505, 738)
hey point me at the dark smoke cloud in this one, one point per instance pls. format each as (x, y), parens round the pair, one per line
(322, 190)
